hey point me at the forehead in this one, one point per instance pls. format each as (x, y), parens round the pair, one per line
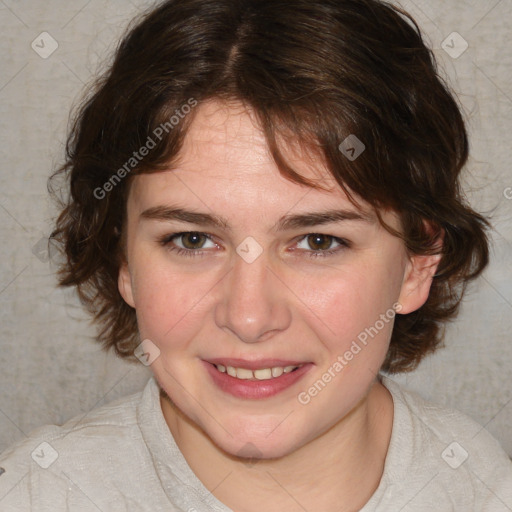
(225, 143)
(226, 137)
(225, 167)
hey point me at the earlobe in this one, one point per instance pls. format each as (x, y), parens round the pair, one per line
(124, 284)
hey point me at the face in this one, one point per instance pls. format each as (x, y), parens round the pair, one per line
(250, 298)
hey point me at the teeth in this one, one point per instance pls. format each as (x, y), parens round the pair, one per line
(277, 371)
(264, 374)
(261, 374)
(242, 373)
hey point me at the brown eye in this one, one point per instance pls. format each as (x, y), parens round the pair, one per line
(188, 243)
(318, 245)
(318, 242)
(192, 239)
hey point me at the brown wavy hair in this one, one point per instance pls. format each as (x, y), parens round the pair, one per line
(313, 71)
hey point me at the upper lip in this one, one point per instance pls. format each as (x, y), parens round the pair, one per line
(254, 364)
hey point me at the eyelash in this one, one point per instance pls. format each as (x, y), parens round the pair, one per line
(167, 239)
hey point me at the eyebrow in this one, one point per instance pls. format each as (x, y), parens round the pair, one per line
(287, 222)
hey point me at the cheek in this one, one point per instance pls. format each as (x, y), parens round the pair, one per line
(351, 302)
(168, 303)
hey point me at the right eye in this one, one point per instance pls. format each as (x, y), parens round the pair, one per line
(189, 240)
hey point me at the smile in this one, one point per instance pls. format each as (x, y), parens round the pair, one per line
(265, 378)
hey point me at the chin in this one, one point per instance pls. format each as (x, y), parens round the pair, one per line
(257, 449)
(256, 443)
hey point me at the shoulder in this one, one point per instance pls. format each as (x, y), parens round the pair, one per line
(443, 424)
(105, 421)
(90, 441)
(459, 458)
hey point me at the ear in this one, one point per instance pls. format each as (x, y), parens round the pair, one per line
(418, 276)
(124, 284)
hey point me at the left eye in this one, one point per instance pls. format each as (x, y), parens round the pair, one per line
(318, 242)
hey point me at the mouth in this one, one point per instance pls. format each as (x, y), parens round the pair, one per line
(255, 379)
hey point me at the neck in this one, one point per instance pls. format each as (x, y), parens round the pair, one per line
(340, 468)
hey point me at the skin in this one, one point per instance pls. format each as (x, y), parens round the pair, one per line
(329, 454)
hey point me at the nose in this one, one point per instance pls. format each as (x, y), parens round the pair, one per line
(253, 303)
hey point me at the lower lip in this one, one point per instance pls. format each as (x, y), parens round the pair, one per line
(255, 389)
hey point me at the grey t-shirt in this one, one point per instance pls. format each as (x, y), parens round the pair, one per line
(122, 458)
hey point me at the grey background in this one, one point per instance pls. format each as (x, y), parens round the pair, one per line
(50, 368)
